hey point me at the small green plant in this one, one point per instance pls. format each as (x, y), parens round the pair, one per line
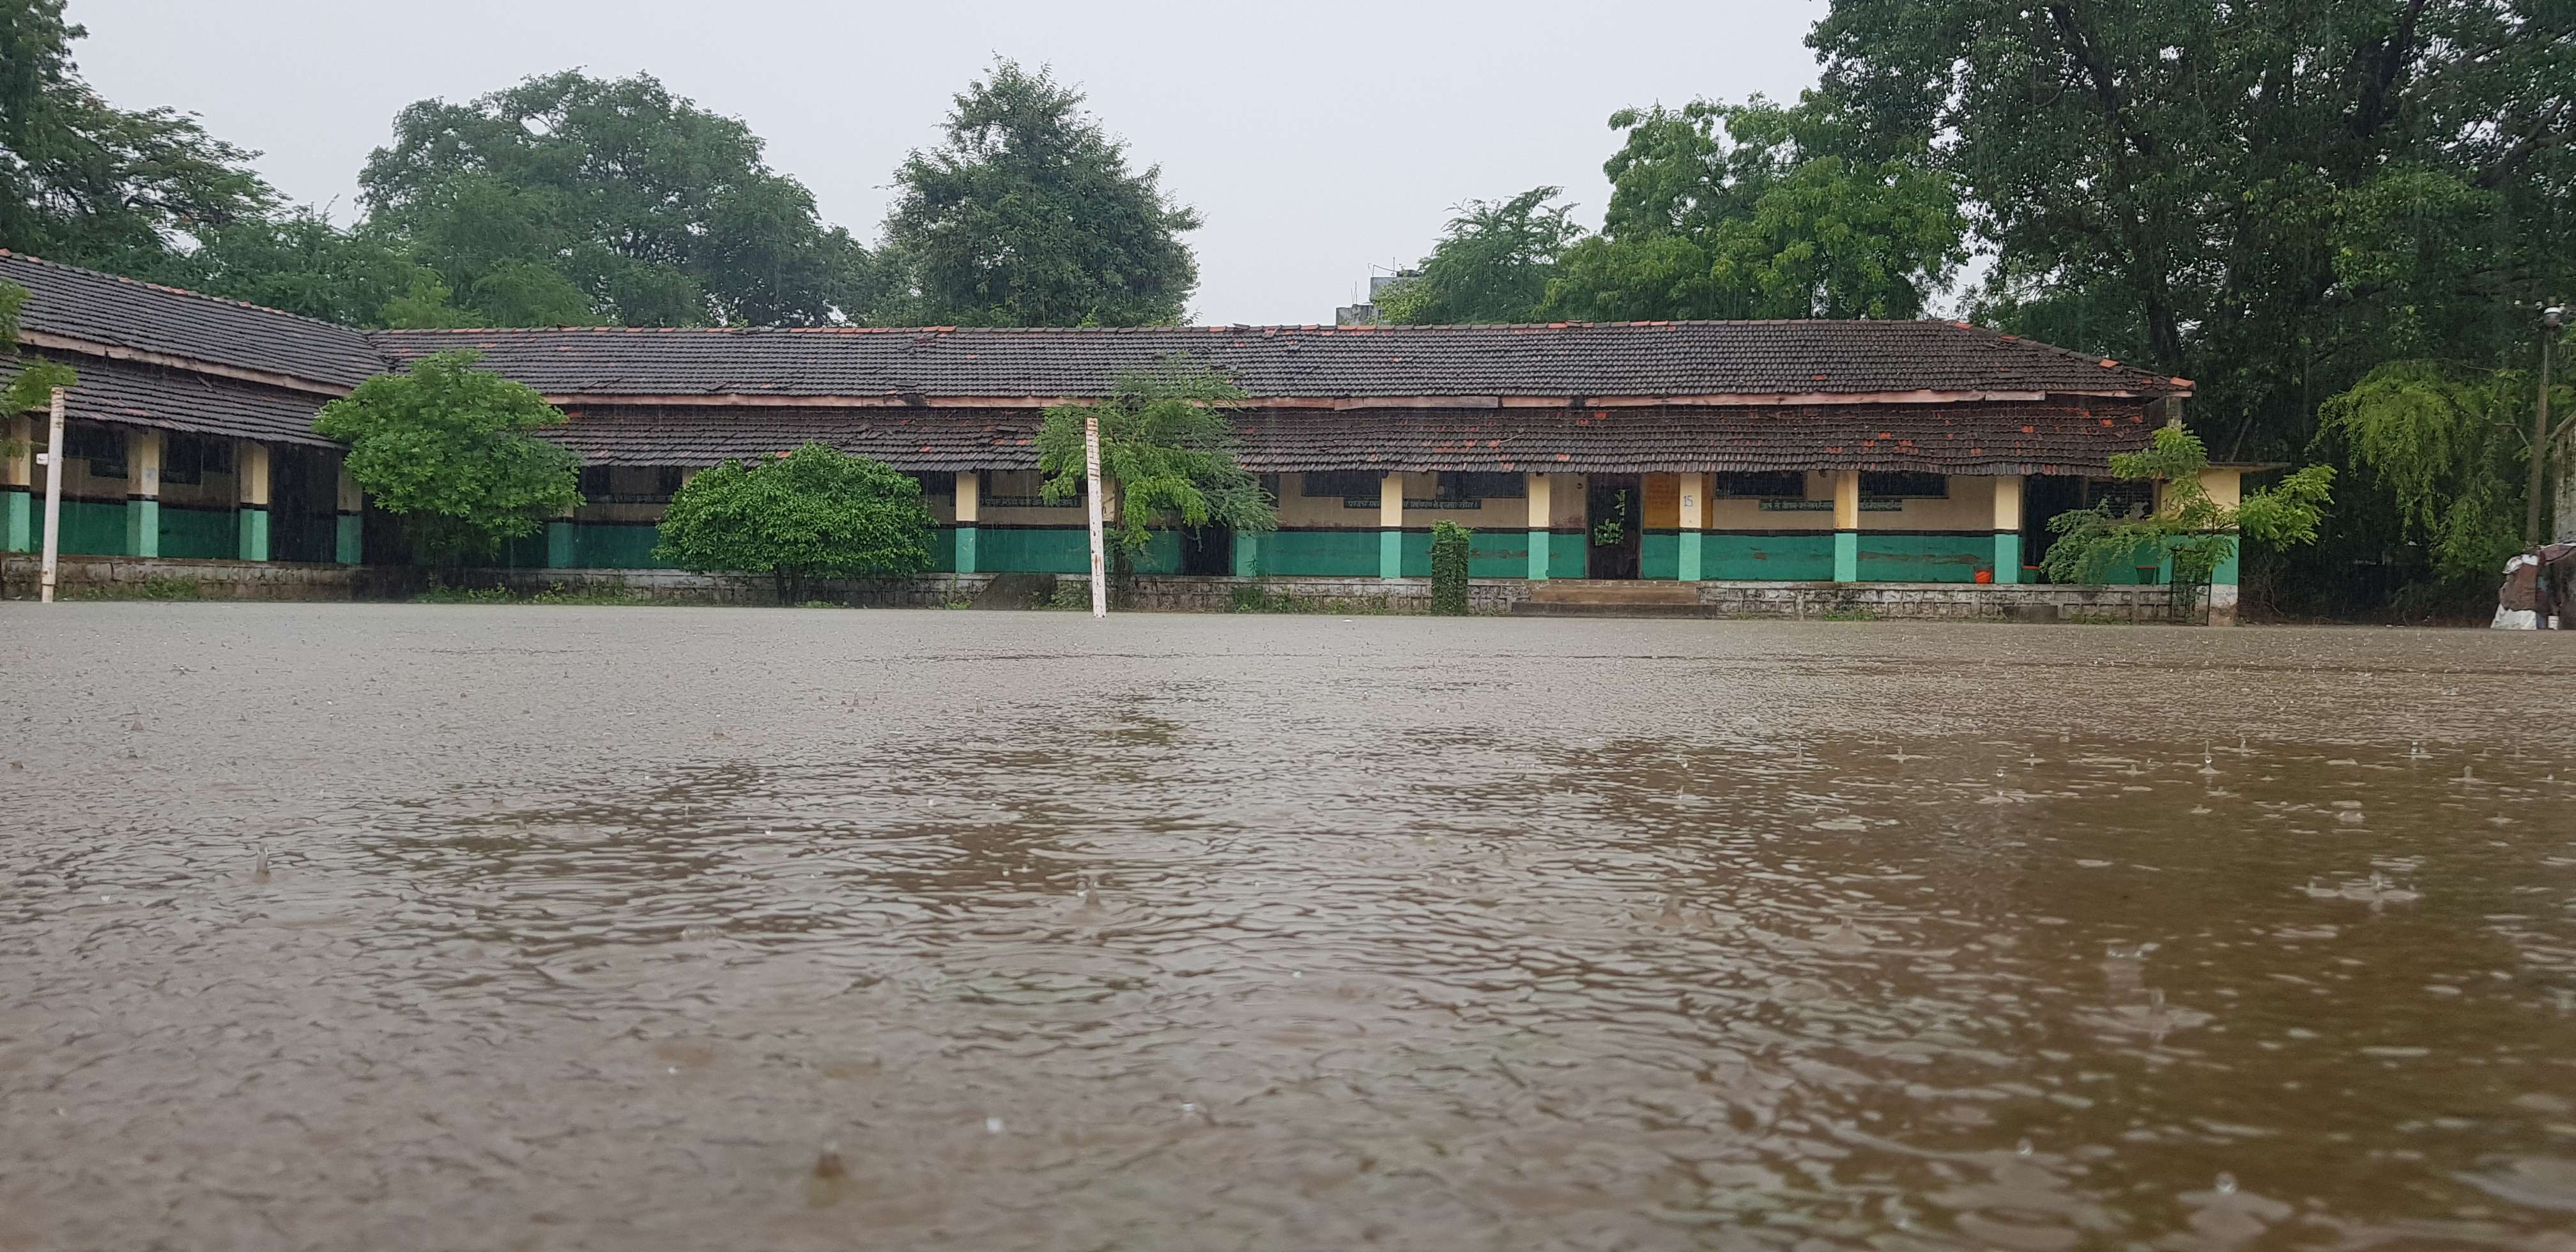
(1846, 615)
(1609, 531)
(1451, 546)
(2189, 526)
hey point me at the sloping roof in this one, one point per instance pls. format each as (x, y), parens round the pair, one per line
(122, 313)
(1975, 438)
(132, 394)
(1581, 359)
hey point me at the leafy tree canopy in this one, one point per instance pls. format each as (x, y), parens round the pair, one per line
(1760, 210)
(574, 200)
(33, 383)
(302, 263)
(1492, 263)
(800, 516)
(2450, 445)
(1028, 215)
(1167, 453)
(452, 450)
(88, 184)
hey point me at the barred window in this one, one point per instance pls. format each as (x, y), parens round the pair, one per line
(1478, 485)
(622, 484)
(1767, 485)
(937, 484)
(103, 448)
(1347, 484)
(1885, 485)
(187, 459)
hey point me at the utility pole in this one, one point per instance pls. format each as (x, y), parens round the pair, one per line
(1091, 471)
(2550, 319)
(53, 499)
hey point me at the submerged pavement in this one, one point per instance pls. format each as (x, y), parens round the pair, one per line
(374, 925)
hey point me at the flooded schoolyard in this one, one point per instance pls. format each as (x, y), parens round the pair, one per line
(485, 927)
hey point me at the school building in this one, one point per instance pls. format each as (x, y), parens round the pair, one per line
(1780, 452)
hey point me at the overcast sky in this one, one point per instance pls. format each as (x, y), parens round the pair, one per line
(1317, 141)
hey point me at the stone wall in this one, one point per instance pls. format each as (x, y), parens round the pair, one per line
(161, 578)
(2043, 602)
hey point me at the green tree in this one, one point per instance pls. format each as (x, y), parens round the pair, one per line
(2450, 447)
(1167, 452)
(1492, 263)
(301, 263)
(452, 450)
(1029, 216)
(574, 200)
(89, 184)
(2197, 532)
(32, 379)
(1756, 210)
(800, 516)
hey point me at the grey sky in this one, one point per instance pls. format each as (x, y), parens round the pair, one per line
(1316, 140)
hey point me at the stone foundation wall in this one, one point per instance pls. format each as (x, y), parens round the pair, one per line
(139, 577)
(2043, 602)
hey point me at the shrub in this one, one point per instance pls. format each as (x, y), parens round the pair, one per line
(800, 516)
(452, 451)
(1450, 547)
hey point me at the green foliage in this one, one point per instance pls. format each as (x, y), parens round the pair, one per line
(1612, 528)
(302, 263)
(613, 593)
(1756, 210)
(811, 514)
(88, 184)
(1492, 264)
(1167, 451)
(2194, 530)
(571, 200)
(1451, 545)
(2450, 447)
(1027, 215)
(452, 450)
(32, 386)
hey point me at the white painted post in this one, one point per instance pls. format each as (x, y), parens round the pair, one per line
(1099, 553)
(53, 500)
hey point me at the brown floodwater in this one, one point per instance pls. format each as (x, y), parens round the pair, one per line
(473, 927)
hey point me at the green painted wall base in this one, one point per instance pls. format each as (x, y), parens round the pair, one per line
(1390, 554)
(1247, 554)
(963, 562)
(1538, 551)
(250, 523)
(2007, 556)
(1846, 556)
(1689, 556)
(142, 526)
(559, 545)
(349, 545)
(17, 520)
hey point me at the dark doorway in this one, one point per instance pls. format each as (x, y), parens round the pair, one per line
(303, 504)
(1207, 550)
(1613, 508)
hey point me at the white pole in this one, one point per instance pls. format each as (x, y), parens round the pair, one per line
(1099, 562)
(53, 499)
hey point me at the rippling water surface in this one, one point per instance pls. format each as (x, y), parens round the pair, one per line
(374, 926)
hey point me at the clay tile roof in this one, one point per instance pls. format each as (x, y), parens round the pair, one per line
(146, 317)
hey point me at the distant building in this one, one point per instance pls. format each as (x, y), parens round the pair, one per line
(1366, 314)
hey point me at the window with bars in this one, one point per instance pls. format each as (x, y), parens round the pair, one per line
(623, 484)
(187, 459)
(1764, 485)
(1346, 484)
(102, 447)
(937, 484)
(1893, 485)
(1481, 485)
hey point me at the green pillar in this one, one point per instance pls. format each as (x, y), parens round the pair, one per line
(1390, 553)
(351, 547)
(2007, 556)
(559, 544)
(142, 525)
(1846, 556)
(1690, 556)
(966, 548)
(18, 526)
(250, 521)
(1247, 554)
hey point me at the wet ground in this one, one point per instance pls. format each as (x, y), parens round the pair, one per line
(472, 927)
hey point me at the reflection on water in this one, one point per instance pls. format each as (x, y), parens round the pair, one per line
(1174, 961)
